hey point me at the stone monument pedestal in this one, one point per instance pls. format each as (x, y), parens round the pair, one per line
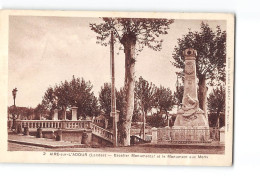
(195, 119)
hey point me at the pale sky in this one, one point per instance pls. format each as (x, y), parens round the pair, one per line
(43, 51)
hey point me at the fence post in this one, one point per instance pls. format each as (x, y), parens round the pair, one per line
(154, 135)
(26, 131)
(39, 133)
(167, 130)
(222, 135)
(207, 133)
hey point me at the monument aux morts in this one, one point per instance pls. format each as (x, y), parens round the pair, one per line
(190, 116)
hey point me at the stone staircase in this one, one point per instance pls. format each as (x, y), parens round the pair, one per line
(66, 125)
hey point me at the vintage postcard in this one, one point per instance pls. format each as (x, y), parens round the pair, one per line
(116, 87)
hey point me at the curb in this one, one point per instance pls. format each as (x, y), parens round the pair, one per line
(48, 146)
(182, 146)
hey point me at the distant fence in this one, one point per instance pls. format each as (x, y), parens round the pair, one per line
(136, 131)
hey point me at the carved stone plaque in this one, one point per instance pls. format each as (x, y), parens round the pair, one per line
(189, 68)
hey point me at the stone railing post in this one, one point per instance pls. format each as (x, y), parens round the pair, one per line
(26, 131)
(39, 133)
(222, 135)
(55, 115)
(84, 137)
(167, 132)
(74, 113)
(53, 136)
(87, 137)
(173, 133)
(154, 135)
(59, 135)
(18, 127)
(63, 124)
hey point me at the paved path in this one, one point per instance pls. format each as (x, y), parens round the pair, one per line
(132, 149)
(23, 141)
(41, 142)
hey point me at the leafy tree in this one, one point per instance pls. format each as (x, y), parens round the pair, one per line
(105, 102)
(105, 99)
(211, 59)
(40, 111)
(29, 112)
(21, 112)
(155, 120)
(63, 95)
(49, 99)
(94, 106)
(216, 102)
(133, 34)
(164, 100)
(144, 95)
(77, 93)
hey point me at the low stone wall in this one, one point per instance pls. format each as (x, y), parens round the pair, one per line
(73, 136)
(67, 135)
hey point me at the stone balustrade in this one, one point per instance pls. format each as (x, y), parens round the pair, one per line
(63, 124)
(76, 124)
(66, 124)
(101, 132)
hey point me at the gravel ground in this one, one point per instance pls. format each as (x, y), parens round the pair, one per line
(131, 149)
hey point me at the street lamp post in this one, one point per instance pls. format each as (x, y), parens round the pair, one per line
(14, 96)
(113, 91)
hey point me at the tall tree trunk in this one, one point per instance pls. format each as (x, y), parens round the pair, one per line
(218, 113)
(129, 41)
(202, 94)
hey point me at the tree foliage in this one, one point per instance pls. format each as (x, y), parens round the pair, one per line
(105, 99)
(156, 120)
(77, 93)
(145, 31)
(21, 112)
(40, 111)
(211, 50)
(144, 94)
(216, 100)
(164, 99)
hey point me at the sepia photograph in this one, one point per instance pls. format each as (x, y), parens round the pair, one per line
(121, 86)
